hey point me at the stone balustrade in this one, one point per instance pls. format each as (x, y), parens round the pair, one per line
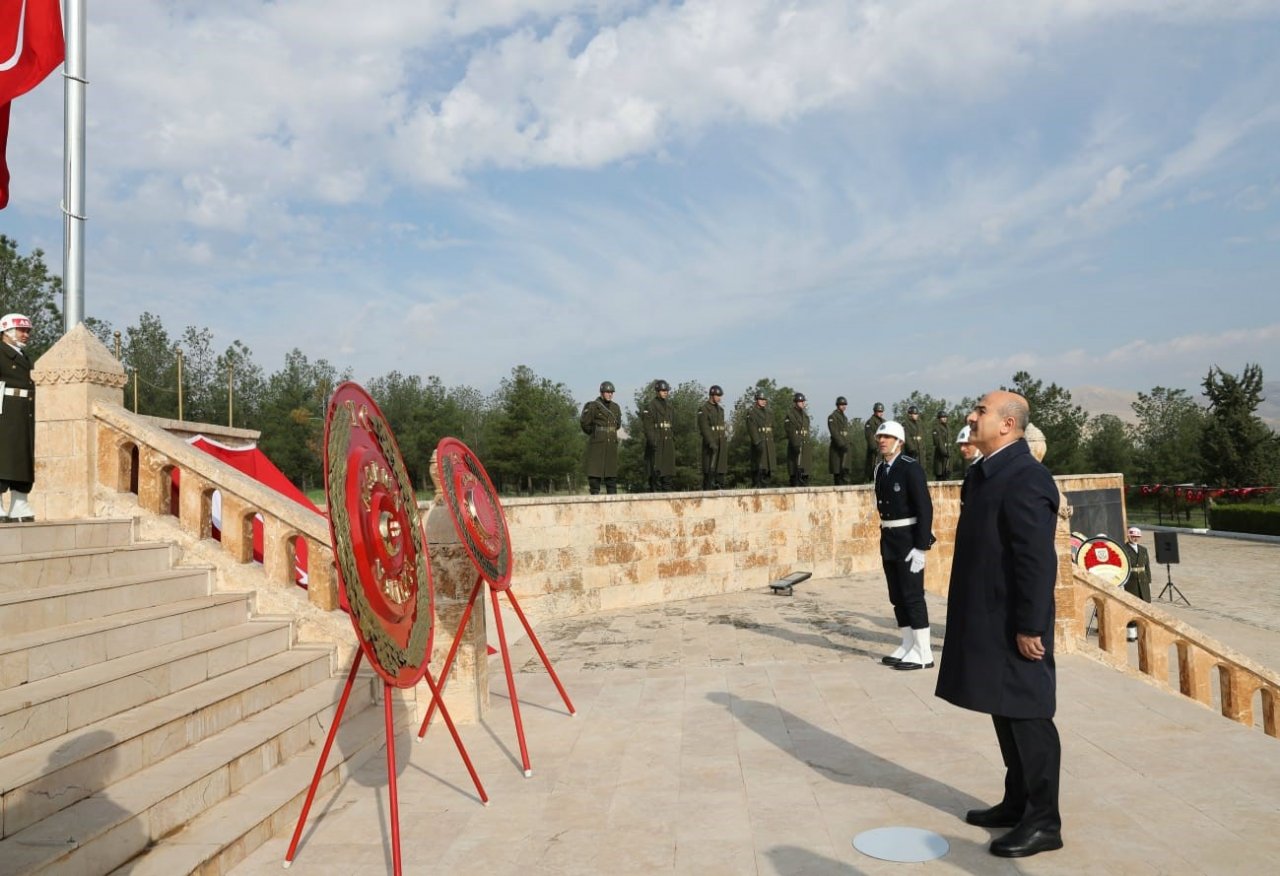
(133, 455)
(1197, 657)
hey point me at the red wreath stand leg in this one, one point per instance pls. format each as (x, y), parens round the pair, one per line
(391, 759)
(506, 665)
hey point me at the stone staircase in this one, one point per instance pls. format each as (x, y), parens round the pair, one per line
(147, 724)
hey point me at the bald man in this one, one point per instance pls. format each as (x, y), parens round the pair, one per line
(998, 654)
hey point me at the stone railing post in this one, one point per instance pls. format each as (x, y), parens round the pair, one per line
(76, 371)
(467, 693)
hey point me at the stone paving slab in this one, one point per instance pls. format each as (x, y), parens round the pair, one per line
(758, 734)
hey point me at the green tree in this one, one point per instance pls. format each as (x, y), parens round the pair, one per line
(1167, 437)
(148, 356)
(1108, 446)
(532, 436)
(292, 416)
(27, 287)
(1237, 448)
(1062, 422)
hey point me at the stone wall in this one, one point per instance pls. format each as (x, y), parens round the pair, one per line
(580, 554)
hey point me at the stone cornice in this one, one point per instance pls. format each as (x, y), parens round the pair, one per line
(94, 376)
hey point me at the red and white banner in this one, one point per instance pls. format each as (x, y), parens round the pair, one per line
(31, 47)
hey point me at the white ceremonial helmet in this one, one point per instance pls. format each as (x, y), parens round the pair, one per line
(14, 321)
(893, 429)
(963, 437)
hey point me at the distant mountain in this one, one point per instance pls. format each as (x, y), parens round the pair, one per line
(1103, 400)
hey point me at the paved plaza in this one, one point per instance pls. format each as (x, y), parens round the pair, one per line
(758, 734)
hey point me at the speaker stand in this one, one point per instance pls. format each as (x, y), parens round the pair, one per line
(1171, 588)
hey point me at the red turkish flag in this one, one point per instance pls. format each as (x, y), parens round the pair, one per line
(31, 47)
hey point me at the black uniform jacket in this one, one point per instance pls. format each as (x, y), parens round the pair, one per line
(902, 492)
(1002, 578)
(17, 417)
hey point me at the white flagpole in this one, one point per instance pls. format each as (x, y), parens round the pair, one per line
(73, 215)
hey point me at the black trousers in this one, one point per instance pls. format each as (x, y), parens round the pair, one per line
(1032, 755)
(610, 485)
(906, 593)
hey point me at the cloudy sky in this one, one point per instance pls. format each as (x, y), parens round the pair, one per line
(862, 198)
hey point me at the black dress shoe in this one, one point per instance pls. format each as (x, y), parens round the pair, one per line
(999, 815)
(901, 664)
(890, 661)
(1024, 840)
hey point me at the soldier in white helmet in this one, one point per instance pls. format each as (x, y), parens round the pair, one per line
(968, 452)
(17, 419)
(906, 532)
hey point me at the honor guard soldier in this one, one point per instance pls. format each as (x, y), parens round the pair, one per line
(659, 439)
(838, 452)
(715, 444)
(601, 419)
(799, 452)
(760, 430)
(1139, 582)
(869, 429)
(969, 454)
(17, 419)
(941, 448)
(914, 430)
(906, 532)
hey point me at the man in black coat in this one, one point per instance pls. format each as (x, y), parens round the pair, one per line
(17, 419)
(906, 532)
(998, 653)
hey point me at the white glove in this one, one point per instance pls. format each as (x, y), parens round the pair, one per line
(916, 559)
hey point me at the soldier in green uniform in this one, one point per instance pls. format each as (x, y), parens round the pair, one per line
(941, 448)
(914, 430)
(838, 454)
(715, 443)
(1139, 583)
(799, 452)
(600, 419)
(869, 428)
(659, 439)
(760, 430)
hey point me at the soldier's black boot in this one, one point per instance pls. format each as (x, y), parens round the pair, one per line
(611, 486)
(593, 485)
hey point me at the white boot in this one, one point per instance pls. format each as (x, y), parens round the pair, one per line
(901, 651)
(19, 510)
(921, 654)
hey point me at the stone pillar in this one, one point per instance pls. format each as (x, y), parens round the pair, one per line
(467, 693)
(76, 372)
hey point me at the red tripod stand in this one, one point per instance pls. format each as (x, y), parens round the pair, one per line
(506, 663)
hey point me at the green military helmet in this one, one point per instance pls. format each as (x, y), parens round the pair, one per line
(879, 406)
(760, 395)
(661, 386)
(942, 415)
(606, 387)
(798, 397)
(913, 410)
(715, 390)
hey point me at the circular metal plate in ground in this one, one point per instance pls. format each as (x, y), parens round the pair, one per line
(906, 845)
(378, 544)
(476, 512)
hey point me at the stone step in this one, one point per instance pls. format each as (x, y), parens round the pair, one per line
(218, 839)
(55, 568)
(31, 656)
(229, 773)
(44, 778)
(44, 608)
(63, 703)
(44, 538)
